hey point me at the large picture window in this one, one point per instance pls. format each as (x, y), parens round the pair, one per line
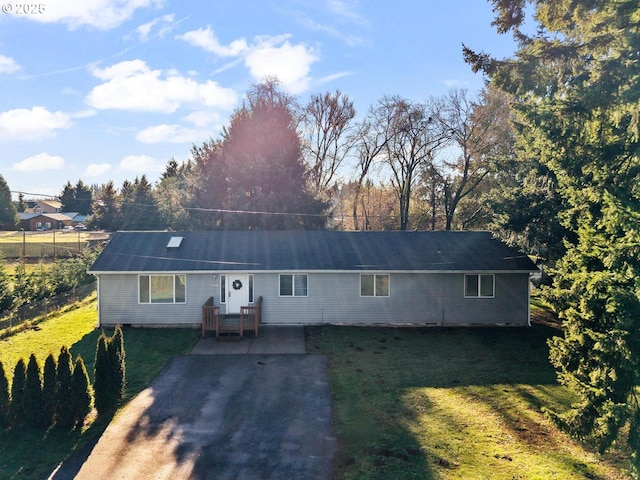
(479, 286)
(162, 289)
(293, 285)
(374, 285)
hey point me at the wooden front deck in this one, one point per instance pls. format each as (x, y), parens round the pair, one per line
(233, 326)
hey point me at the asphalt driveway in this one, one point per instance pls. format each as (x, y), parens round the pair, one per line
(221, 417)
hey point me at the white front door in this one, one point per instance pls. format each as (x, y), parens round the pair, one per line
(237, 291)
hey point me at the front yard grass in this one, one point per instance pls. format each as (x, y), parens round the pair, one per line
(34, 455)
(451, 404)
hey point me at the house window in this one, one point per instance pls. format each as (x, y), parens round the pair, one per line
(479, 286)
(250, 288)
(374, 285)
(293, 285)
(162, 288)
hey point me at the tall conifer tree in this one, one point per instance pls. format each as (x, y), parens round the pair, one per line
(576, 89)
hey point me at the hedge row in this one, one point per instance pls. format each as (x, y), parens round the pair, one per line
(61, 395)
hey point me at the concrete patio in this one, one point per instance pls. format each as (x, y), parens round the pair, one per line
(271, 339)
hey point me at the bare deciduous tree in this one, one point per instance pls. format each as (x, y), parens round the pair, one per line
(371, 138)
(415, 139)
(480, 132)
(326, 125)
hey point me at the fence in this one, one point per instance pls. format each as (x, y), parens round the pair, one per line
(41, 249)
(44, 307)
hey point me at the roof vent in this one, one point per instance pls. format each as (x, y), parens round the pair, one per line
(174, 242)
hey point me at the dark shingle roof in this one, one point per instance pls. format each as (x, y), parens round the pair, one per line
(309, 251)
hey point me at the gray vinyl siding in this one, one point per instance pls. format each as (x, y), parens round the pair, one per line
(118, 302)
(415, 298)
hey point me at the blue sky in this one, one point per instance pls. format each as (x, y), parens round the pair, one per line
(104, 90)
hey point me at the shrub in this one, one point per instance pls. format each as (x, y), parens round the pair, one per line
(103, 386)
(17, 393)
(63, 408)
(117, 356)
(33, 400)
(81, 393)
(49, 383)
(5, 398)
(109, 371)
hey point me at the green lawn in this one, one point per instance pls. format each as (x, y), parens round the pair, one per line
(34, 455)
(453, 403)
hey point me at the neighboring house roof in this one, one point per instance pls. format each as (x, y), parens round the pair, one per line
(76, 216)
(61, 217)
(309, 250)
(27, 216)
(34, 206)
(52, 203)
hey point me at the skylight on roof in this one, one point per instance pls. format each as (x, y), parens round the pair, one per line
(174, 242)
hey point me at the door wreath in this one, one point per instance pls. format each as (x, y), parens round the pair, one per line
(237, 284)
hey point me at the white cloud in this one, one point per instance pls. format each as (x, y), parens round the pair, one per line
(291, 64)
(203, 118)
(97, 169)
(204, 125)
(346, 9)
(40, 162)
(206, 39)
(166, 25)
(34, 124)
(172, 134)
(143, 164)
(267, 56)
(8, 65)
(100, 14)
(123, 69)
(133, 86)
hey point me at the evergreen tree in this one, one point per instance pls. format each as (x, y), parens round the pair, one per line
(5, 398)
(63, 404)
(83, 197)
(106, 209)
(6, 287)
(81, 393)
(263, 165)
(33, 399)
(17, 412)
(67, 198)
(115, 346)
(76, 198)
(140, 208)
(575, 88)
(175, 194)
(49, 384)
(103, 385)
(21, 206)
(8, 213)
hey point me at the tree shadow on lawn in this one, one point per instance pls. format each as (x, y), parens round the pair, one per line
(373, 369)
(146, 353)
(54, 445)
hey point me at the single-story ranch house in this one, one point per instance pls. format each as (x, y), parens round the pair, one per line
(313, 277)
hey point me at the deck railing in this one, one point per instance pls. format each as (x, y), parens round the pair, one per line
(210, 316)
(251, 316)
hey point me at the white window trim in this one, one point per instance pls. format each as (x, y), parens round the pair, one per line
(374, 285)
(252, 288)
(293, 285)
(479, 276)
(173, 275)
(252, 292)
